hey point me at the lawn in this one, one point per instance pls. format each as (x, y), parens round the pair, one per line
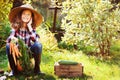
(94, 68)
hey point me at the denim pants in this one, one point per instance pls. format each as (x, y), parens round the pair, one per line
(36, 48)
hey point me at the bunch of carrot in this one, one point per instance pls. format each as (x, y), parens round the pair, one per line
(15, 53)
(21, 56)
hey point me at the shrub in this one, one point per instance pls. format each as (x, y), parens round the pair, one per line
(4, 25)
(4, 33)
(91, 21)
(47, 38)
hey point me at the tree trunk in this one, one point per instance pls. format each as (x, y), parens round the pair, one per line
(115, 1)
(17, 3)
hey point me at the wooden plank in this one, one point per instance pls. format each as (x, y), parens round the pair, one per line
(68, 66)
(68, 70)
(79, 71)
(69, 74)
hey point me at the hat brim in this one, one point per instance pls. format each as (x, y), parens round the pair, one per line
(38, 19)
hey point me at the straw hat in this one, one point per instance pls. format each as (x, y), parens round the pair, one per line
(15, 11)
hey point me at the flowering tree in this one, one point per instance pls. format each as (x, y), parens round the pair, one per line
(92, 22)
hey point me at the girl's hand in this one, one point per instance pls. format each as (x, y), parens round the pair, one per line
(14, 39)
(29, 25)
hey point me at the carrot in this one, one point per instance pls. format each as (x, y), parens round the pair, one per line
(14, 57)
(12, 51)
(19, 67)
(11, 46)
(16, 51)
(19, 54)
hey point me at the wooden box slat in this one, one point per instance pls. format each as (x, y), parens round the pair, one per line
(68, 70)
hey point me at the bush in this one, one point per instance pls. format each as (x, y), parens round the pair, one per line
(5, 7)
(91, 22)
(63, 45)
(4, 33)
(47, 38)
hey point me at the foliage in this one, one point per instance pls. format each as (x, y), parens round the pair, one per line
(42, 7)
(47, 38)
(5, 7)
(63, 45)
(3, 61)
(115, 48)
(4, 25)
(25, 58)
(4, 33)
(90, 21)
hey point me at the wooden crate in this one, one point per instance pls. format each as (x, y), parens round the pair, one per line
(68, 70)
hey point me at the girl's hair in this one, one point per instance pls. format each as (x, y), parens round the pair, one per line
(17, 22)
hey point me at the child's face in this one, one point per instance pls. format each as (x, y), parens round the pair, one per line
(26, 16)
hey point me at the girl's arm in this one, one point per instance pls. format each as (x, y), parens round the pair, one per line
(33, 35)
(11, 37)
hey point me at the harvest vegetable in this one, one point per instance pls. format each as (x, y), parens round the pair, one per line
(67, 62)
(21, 56)
(15, 52)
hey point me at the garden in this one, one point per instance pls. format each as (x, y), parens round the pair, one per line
(84, 31)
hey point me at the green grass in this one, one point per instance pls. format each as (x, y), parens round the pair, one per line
(94, 68)
(3, 61)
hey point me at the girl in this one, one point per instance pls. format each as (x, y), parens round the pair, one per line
(24, 20)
